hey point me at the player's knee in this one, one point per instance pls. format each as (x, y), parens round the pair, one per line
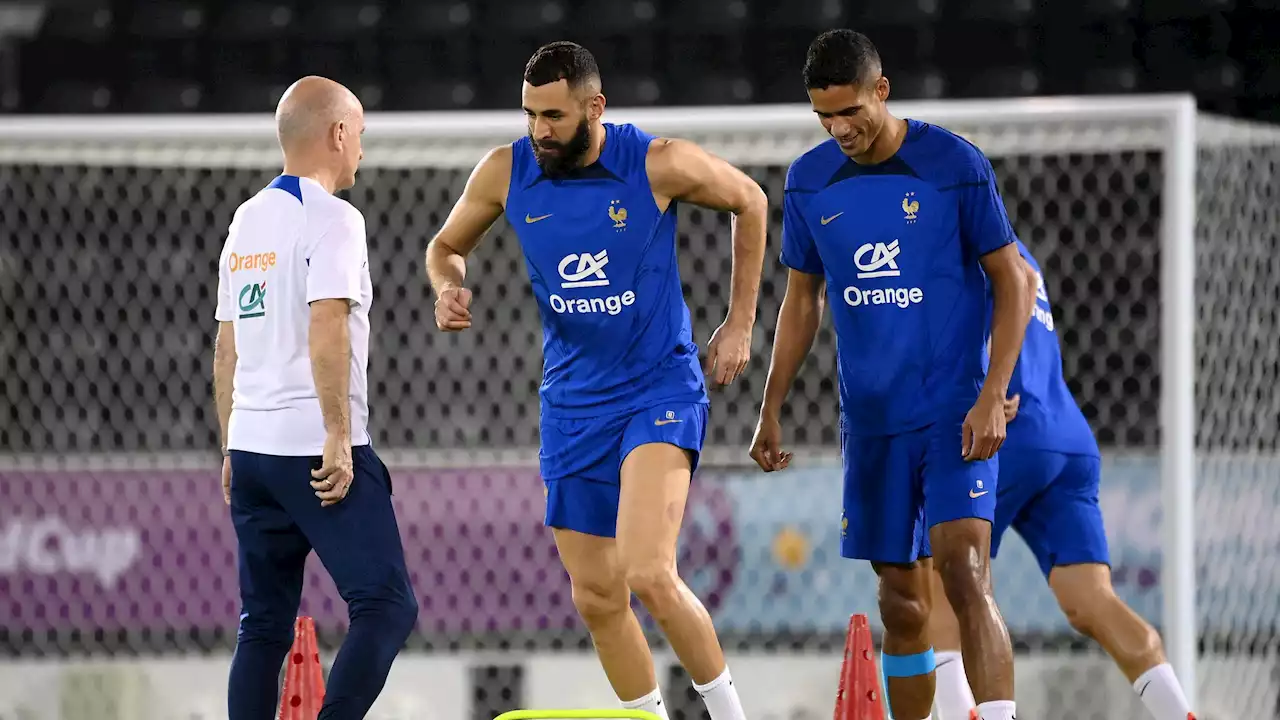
(657, 586)
(904, 614)
(266, 628)
(1082, 614)
(600, 599)
(394, 615)
(404, 614)
(1100, 612)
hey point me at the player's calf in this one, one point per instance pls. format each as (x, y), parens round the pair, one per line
(605, 608)
(380, 624)
(1086, 596)
(952, 698)
(962, 553)
(262, 642)
(907, 660)
(603, 601)
(655, 487)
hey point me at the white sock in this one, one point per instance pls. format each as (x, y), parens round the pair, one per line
(649, 703)
(1162, 693)
(721, 698)
(999, 710)
(952, 697)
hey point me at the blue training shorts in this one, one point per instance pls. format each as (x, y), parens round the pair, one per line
(1051, 500)
(898, 486)
(581, 460)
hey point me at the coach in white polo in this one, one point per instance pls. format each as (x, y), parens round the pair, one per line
(291, 386)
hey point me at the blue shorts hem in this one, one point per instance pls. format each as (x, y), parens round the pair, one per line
(1080, 558)
(581, 460)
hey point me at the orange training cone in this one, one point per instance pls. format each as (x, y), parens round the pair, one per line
(859, 695)
(303, 679)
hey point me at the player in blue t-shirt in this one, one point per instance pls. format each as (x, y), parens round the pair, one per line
(1048, 493)
(623, 400)
(902, 224)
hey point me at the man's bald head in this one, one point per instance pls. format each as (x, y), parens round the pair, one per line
(319, 123)
(310, 108)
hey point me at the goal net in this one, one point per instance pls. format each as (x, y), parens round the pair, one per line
(1157, 231)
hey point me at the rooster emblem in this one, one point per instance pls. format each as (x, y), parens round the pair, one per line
(618, 215)
(910, 207)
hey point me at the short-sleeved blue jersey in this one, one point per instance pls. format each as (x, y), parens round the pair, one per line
(616, 333)
(1048, 416)
(899, 244)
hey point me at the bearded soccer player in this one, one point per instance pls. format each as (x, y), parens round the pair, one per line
(1048, 493)
(904, 223)
(623, 400)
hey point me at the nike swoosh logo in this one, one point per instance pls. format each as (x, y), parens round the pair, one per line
(664, 422)
(826, 220)
(530, 219)
(1144, 688)
(973, 494)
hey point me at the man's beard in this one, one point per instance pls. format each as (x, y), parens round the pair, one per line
(559, 159)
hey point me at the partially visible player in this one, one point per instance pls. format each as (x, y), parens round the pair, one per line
(901, 223)
(1048, 493)
(623, 400)
(290, 380)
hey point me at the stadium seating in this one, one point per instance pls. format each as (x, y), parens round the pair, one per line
(231, 55)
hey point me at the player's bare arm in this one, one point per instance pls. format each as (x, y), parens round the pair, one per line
(681, 170)
(798, 322)
(330, 348)
(1012, 403)
(224, 371)
(482, 202)
(984, 427)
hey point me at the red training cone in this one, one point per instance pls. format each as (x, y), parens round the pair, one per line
(303, 679)
(859, 695)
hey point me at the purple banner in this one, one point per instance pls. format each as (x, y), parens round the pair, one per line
(155, 549)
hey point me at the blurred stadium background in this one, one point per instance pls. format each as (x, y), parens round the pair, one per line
(120, 166)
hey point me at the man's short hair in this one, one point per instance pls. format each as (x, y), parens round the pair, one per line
(840, 57)
(562, 60)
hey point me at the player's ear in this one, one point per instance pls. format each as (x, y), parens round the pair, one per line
(338, 134)
(595, 107)
(882, 88)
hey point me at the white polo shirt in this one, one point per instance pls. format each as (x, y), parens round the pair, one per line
(289, 245)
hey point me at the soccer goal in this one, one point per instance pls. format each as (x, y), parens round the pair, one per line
(1158, 228)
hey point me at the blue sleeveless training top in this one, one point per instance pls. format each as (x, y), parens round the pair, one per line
(616, 333)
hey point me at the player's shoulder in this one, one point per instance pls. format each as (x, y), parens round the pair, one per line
(493, 175)
(329, 214)
(947, 153)
(497, 161)
(811, 171)
(636, 148)
(332, 206)
(283, 196)
(630, 133)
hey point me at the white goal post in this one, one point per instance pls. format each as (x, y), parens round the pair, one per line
(774, 135)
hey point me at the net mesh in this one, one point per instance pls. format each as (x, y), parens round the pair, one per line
(114, 542)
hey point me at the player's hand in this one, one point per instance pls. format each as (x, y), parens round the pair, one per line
(333, 480)
(728, 351)
(453, 309)
(766, 446)
(226, 479)
(984, 428)
(1011, 406)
